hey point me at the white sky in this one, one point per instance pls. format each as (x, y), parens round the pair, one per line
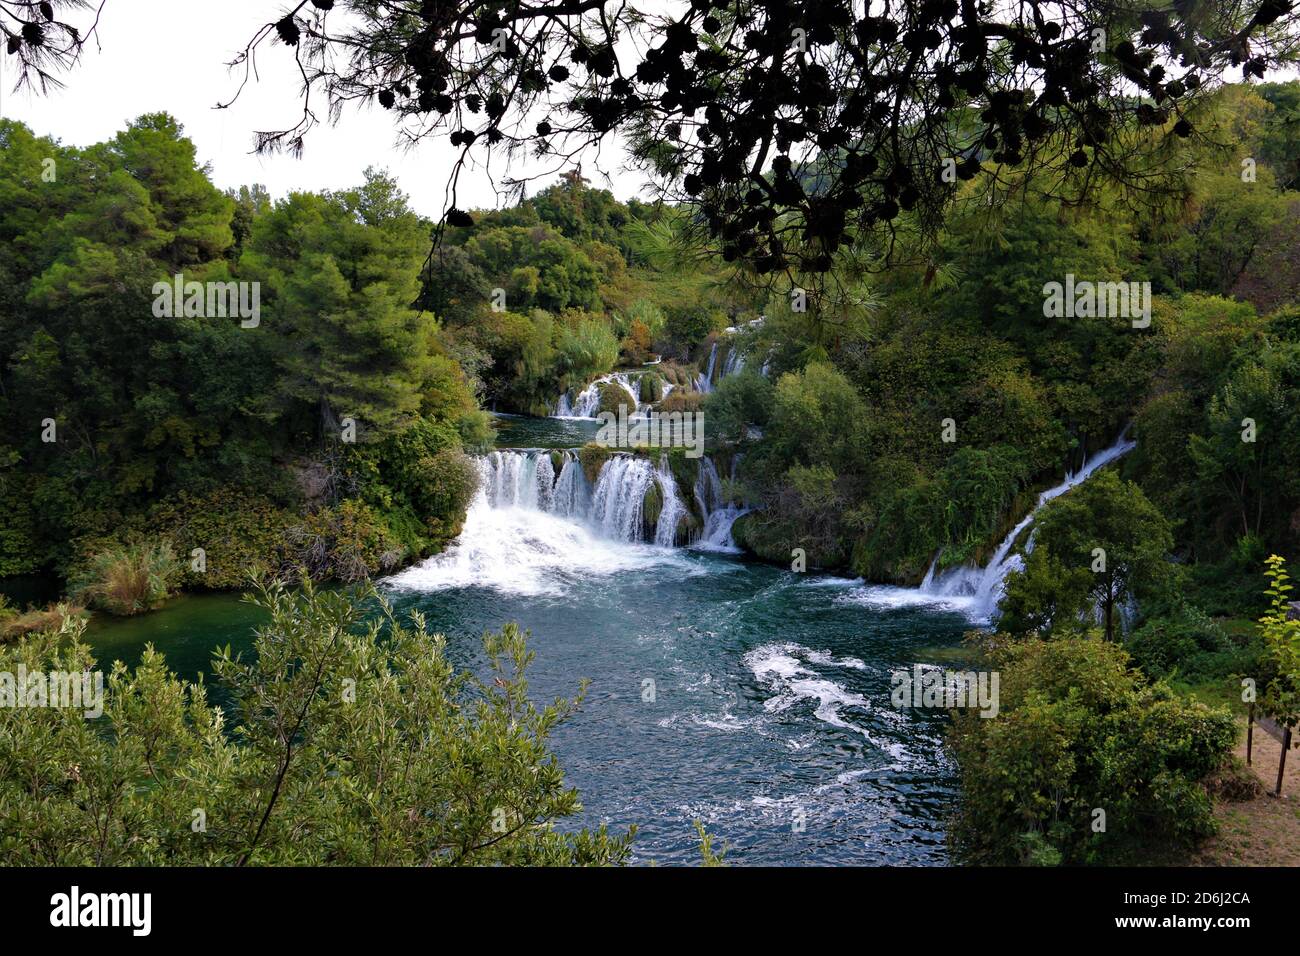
(171, 55)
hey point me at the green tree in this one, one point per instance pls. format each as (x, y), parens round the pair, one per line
(1248, 423)
(1281, 699)
(340, 274)
(818, 418)
(1045, 597)
(1107, 527)
(739, 401)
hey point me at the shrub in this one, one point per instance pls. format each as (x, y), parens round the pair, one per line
(739, 400)
(1189, 643)
(288, 775)
(1281, 632)
(447, 485)
(129, 580)
(680, 400)
(477, 431)
(636, 345)
(686, 325)
(349, 542)
(239, 530)
(586, 349)
(1078, 730)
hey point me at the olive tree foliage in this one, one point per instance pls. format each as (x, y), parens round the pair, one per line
(350, 739)
(799, 129)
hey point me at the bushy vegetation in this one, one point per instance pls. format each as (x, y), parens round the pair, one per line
(1086, 762)
(967, 399)
(1099, 549)
(350, 739)
(129, 580)
(16, 622)
(1281, 633)
(907, 419)
(260, 442)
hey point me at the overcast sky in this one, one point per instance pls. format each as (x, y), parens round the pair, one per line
(171, 55)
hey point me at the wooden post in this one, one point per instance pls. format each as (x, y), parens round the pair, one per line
(1250, 733)
(1281, 764)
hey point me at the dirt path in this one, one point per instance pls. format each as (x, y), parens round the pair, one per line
(1264, 831)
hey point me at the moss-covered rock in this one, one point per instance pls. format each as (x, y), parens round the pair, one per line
(651, 388)
(652, 506)
(685, 472)
(557, 461)
(592, 457)
(739, 531)
(612, 395)
(688, 529)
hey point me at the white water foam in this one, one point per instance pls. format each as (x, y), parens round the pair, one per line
(525, 552)
(780, 668)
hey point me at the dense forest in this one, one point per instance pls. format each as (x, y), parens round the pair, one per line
(161, 424)
(900, 427)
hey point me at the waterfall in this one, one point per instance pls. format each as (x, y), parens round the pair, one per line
(673, 508)
(985, 585)
(735, 362)
(704, 381)
(719, 516)
(619, 498)
(708, 487)
(571, 497)
(587, 401)
(614, 508)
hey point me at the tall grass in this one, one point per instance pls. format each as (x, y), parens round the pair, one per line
(129, 580)
(14, 623)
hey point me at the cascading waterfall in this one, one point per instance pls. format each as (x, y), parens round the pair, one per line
(614, 508)
(735, 362)
(719, 516)
(616, 505)
(985, 585)
(673, 508)
(587, 402)
(704, 381)
(571, 497)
